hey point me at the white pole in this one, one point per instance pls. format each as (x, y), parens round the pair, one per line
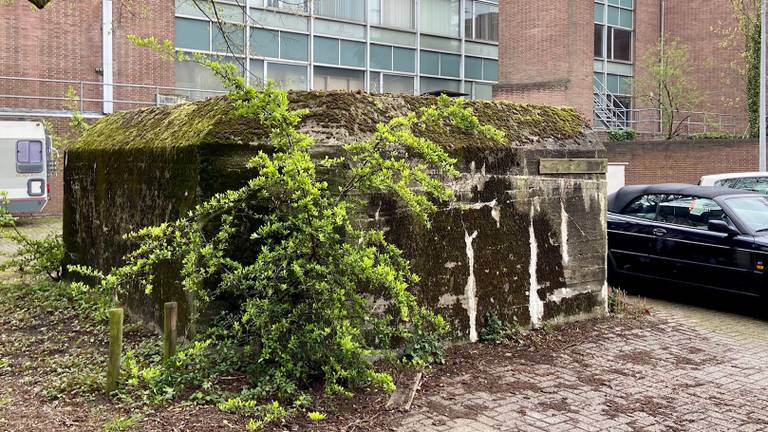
(106, 56)
(761, 152)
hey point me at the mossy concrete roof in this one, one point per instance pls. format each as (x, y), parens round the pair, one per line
(333, 118)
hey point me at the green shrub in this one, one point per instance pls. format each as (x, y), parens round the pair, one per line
(715, 136)
(622, 134)
(304, 314)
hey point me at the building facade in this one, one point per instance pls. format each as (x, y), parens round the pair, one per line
(589, 54)
(81, 48)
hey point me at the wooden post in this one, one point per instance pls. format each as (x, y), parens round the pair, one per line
(170, 317)
(115, 348)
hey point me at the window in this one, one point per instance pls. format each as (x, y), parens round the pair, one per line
(29, 156)
(326, 50)
(392, 13)
(290, 5)
(690, 211)
(397, 84)
(228, 38)
(393, 58)
(442, 64)
(338, 79)
(622, 45)
(288, 77)
(481, 21)
(598, 41)
(440, 17)
(381, 57)
(266, 18)
(279, 44)
(753, 211)
(343, 9)
(437, 84)
(352, 53)
(193, 34)
(755, 184)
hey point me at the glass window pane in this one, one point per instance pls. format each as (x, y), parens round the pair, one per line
(469, 20)
(266, 18)
(430, 63)
(326, 50)
(265, 43)
(256, 72)
(441, 44)
(338, 79)
(490, 70)
(228, 38)
(625, 18)
(486, 22)
(352, 53)
(436, 84)
(381, 57)
(393, 37)
(289, 5)
(226, 12)
(622, 44)
(393, 13)
(22, 151)
(613, 83)
(374, 86)
(35, 152)
(598, 41)
(345, 9)
(473, 68)
(481, 49)
(440, 17)
(482, 91)
(398, 84)
(404, 59)
(449, 65)
(294, 46)
(192, 34)
(625, 85)
(190, 75)
(614, 15)
(599, 12)
(191, 7)
(288, 77)
(339, 29)
(626, 3)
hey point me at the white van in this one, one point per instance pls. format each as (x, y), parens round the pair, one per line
(25, 151)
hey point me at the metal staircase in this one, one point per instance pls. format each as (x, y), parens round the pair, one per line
(607, 108)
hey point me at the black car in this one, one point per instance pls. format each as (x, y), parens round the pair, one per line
(710, 237)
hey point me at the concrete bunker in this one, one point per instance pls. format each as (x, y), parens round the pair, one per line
(526, 241)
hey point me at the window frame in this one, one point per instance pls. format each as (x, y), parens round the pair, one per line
(28, 166)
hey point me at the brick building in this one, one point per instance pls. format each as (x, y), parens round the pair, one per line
(588, 54)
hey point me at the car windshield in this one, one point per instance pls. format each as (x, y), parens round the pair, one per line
(752, 210)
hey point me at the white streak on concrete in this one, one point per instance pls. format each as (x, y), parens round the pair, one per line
(560, 294)
(496, 215)
(535, 305)
(564, 233)
(447, 300)
(450, 264)
(470, 291)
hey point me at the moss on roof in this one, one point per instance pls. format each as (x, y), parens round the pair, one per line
(334, 117)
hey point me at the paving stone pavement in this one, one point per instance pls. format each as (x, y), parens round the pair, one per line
(681, 369)
(37, 227)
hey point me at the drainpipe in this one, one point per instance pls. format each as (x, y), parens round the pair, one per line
(662, 29)
(106, 56)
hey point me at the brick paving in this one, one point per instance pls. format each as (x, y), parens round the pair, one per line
(682, 369)
(37, 227)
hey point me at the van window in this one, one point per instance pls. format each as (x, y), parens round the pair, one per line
(29, 156)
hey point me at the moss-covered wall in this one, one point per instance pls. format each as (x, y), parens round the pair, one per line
(516, 228)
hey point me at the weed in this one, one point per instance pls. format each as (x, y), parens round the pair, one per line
(498, 330)
(316, 416)
(118, 423)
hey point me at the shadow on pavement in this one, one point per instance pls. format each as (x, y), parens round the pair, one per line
(722, 301)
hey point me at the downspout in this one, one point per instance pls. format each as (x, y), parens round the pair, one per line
(106, 56)
(662, 29)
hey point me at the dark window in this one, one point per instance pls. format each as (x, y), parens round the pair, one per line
(755, 184)
(598, 41)
(690, 211)
(643, 207)
(622, 45)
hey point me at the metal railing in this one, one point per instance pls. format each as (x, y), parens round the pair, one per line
(47, 96)
(650, 120)
(608, 108)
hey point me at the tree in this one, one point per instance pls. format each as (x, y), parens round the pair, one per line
(666, 84)
(748, 26)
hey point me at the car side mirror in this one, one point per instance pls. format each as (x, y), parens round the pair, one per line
(721, 227)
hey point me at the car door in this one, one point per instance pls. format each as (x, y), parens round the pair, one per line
(688, 252)
(630, 236)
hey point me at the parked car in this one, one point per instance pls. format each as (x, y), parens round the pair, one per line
(751, 181)
(711, 237)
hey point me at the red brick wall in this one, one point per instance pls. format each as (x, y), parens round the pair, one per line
(64, 42)
(545, 53)
(682, 161)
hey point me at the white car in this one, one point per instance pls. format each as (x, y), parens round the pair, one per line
(752, 181)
